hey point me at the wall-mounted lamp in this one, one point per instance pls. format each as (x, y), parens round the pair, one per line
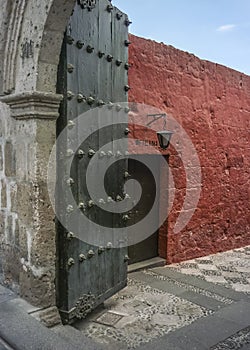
(164, 136)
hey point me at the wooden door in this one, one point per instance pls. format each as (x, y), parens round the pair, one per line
(148, 248)
(92, 74)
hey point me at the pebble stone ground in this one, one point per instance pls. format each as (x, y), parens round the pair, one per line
(161, 302)
(139, 314)
(230, 269)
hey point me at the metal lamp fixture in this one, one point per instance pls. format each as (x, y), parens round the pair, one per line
(164, 136)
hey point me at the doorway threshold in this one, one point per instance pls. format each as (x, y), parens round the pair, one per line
(146, 264)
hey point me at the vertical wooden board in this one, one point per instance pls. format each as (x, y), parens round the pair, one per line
(119, 80)
(105, 47)
(120, 74)
(87, 28)
(93, 268)
(71, 58)
(105, 136)
(87, 32)
(67, 248)
(115, 253)
(75, 56)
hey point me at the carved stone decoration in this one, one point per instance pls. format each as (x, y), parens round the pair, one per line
(11, 48)
(89, 4)
(84, 306)
(33, 104)
(27, 49)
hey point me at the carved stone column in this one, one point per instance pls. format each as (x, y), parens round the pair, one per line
(32, 139)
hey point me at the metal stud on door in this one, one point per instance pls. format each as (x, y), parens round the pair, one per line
(92, 73)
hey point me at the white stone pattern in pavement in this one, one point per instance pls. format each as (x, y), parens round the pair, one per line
(189, 287)
(138, 314)
(231, 269)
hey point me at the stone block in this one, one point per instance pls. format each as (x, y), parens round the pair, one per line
(43, 248)
(49, 317)
(1, 127)
(13, 197)
(10, 159)
(22, 242)
(47, 76)
(9, 231)
(3, 188)
(25, 203)
(21, 159)
(3, 120)
(2, 225)
(16, 232)
(45, 142)
(11, 265)
(1, 157)
(38, 289)
(51, 38)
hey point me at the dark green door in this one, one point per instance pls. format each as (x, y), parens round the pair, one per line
(147, 248)
(92, 74)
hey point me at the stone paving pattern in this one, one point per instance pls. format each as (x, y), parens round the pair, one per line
(162, 308)
(146, 313)
(231, 269)
(162, 301)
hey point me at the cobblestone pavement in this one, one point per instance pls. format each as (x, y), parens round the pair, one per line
(139, 314)
(163, 301)
(231, 269)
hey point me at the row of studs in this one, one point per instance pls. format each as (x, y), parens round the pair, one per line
(83, 206)
(90, 254)
(91, 203)
(71, 182)
(91, 100)
(100, 54)
(110, 58)
(119, 15)
(89, 48)
(109, 8)
(80, 154)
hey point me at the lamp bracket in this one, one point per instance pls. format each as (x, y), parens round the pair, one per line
(156, 117)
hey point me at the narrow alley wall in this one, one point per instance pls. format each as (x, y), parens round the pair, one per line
(212, 103)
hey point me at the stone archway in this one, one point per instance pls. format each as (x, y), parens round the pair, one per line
(31, 38)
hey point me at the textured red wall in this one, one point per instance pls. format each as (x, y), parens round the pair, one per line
(212, 103)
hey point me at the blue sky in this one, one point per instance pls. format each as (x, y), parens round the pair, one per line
(216, 30)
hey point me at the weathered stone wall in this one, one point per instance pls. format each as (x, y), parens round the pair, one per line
(212, 103)
(9, 233)
(27, 235)
(30, 43)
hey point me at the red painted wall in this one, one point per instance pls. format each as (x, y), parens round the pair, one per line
(212, 103)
